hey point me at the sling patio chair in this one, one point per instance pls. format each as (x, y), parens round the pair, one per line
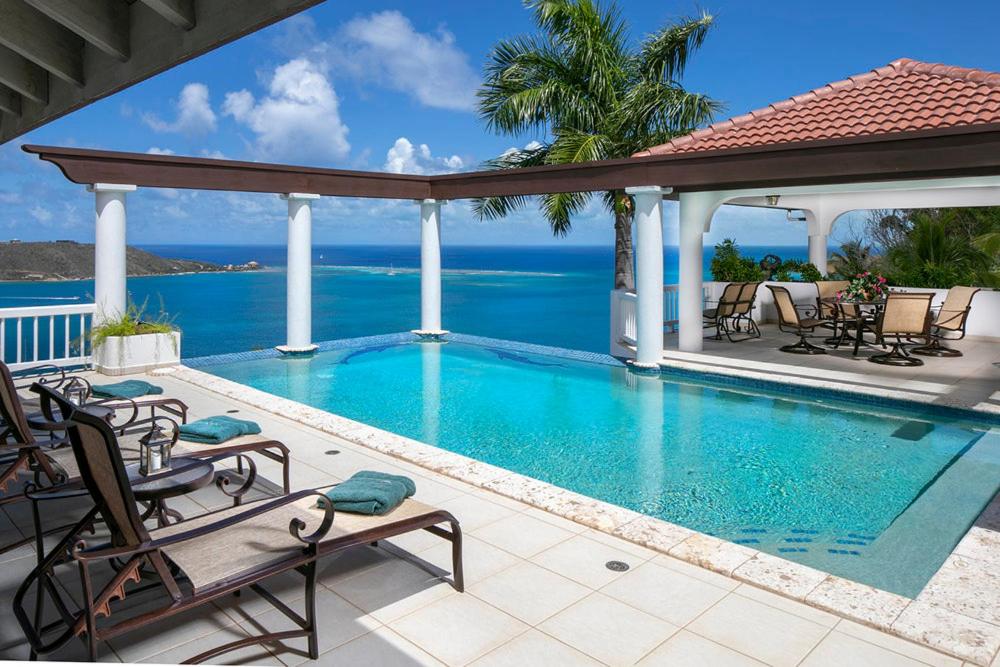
(949, 323)
(724, 318)
(839, 317)
(790, 321)
(906, 315)
(743, 313)
(41, 451)
(194, 561)
(122, 413)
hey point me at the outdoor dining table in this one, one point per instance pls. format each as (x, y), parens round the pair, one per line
(838, 303)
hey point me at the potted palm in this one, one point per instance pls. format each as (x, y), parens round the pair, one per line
(134, 343)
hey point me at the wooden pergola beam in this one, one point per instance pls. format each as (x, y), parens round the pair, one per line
(958, 152)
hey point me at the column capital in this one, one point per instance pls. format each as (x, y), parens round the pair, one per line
(431, 202)
(648, 190)
(288, 196)
(110, 187)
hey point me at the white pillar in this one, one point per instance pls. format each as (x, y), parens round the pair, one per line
(649, 274)
(299, 276)
(818, 252)
(430, 269)
(110, 294)
(696, 209)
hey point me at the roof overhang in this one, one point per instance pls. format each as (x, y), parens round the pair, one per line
(952, 153)
(57, 56)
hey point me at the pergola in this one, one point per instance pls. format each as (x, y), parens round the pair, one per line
(908, 135)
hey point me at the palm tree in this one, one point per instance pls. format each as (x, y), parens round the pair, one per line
(589, 96)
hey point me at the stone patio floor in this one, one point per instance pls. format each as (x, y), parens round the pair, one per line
(538, 591)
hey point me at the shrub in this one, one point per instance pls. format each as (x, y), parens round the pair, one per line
(729, 266)
(133, 322)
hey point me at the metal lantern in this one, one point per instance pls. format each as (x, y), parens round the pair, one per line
(154, 451)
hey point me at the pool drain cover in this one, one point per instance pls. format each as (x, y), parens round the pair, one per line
(331, 452)
(232, 411)
(616, 566)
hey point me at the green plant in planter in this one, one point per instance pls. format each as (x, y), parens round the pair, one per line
(134, 322)
(729, 266)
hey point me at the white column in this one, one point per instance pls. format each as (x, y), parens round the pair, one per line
(649, 274)
(299, 277)
(430, 269)
(696, 209)
(110, 294)
(818, 252)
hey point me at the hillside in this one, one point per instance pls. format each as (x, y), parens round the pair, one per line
(68, 260)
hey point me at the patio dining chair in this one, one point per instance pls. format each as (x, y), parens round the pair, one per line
(195, 561)
(904, 317)
(791, 321)
(949, 323)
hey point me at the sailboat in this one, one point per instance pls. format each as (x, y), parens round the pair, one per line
(392, 271)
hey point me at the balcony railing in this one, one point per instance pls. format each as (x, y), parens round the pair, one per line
(58, 335)
(623, 316)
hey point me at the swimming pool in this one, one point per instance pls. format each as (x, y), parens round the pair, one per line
(878, 494)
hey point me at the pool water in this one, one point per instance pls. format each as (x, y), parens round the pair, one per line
(878, 495)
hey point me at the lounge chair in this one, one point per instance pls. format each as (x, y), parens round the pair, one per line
(949, 323)
(790, 321)
(904, 317)
(194, 561)
(51, 462)
(734, 306)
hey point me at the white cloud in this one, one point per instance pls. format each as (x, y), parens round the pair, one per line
(154, 150)
(214, 154)
(405, 158)
(40, 213)
(194, 113)
(299, 120)
(387, 49)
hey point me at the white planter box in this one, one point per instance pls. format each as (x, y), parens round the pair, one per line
(125, 355)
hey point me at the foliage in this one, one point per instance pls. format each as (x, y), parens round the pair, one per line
(939, 247)
(728, 265)
(866, 286)
(855, 257)
(731, 267)
(580, 87)
(133, 322)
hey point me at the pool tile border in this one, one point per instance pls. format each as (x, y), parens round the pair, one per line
(934, 623)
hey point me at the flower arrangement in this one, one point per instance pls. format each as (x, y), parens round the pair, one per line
(866, 286)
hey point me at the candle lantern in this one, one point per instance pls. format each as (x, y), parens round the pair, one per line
(154, 451)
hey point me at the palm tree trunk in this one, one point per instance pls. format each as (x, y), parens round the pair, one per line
(624, 273)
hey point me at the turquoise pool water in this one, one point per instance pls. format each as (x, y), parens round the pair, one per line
(879, 495)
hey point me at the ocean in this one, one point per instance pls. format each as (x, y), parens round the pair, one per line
(551, 295)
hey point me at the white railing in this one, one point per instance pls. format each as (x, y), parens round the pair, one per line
(623, 317)
(58, 335)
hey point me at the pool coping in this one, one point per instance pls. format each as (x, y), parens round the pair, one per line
(955, 613)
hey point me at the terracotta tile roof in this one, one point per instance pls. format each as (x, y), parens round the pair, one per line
(904, 95)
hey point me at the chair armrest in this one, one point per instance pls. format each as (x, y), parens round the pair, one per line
(295, 528)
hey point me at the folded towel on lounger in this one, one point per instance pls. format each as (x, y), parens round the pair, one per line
(125, 389)
(369, 492)
(214, 430)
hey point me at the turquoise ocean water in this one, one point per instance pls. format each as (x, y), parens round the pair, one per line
(554, 295)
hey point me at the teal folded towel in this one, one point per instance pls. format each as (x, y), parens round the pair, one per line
(125, 389)
(213, 430)
(369, 492)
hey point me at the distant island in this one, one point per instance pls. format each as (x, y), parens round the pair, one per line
(69, 260)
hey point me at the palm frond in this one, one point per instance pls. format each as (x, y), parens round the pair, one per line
(559, 209)
(494, 208)
(664, 55)
(572, 146)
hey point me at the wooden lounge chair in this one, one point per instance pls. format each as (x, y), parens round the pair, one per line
(949, 323)
(733, 307)
(790, 321)
(194, 561)
(904, 317)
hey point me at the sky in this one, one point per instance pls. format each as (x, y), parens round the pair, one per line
(390, 86)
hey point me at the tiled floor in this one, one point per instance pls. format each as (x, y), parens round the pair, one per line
(972, 380)
(538, 591)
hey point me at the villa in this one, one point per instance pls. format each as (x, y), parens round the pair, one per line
(683, 499)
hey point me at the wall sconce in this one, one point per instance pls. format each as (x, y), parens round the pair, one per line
(772, 200)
